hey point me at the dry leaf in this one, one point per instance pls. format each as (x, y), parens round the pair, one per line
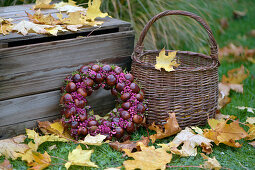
(130, 145)
(94, 11)
(219, 116)
(249, 109)
(252, 144)
(190, 141)
(170, 128)
(74, 18)
(25, 27)
(239, 14)
(250, 120)
(93, 140)
(80, 157)
(197, 130)
(73, 27)
(52, 147)
(43, 4)
(252, 33)
(39, 18)
(211, 163)
(236, 76)
(5, 26)
(166, 61)
(11, 148)
(68, 7)
(224, 23)
(221, 132)
(41, 161)
(251, 132)
(6, 165)
(148, 158)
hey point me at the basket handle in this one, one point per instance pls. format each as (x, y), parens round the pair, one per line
(212, 42)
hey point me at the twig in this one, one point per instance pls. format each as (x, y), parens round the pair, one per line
(93, 31)
(189, 166)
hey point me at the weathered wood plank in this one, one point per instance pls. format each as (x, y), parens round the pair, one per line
(26, 71)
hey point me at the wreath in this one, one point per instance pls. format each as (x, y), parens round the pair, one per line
(79, 118)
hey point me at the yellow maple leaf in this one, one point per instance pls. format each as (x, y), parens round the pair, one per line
(40, 161)
(236, 76)
(251, 132)
(190, 141)
(222, 132)
(170, 128)
(166, 61)
(94, 11)
(80, 157)
(211, 163)
(5, 26)
(74, 18)
(43, 4)
(148, 158)
(39, 18)
(93, 140)
(11, 148)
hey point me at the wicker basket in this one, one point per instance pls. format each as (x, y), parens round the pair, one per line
(191, 91)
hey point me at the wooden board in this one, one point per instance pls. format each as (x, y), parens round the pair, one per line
(42, 67)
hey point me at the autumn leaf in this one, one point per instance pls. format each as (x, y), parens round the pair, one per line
(249, 109)
(148, 158)
(43, 4)
(190, 141)
(170, 128)
(39, 18)
(5, 26)
(251, 131)
(197, 130)
(236, 76)
(80, 157)
(6, 165)
(252, 143)
(11, 148)
(93, 140)
(211, 163)
(25, 27)
(68, 7)
(221, 132)
(166, 61)
(130, 145)
(250, 120)
(40, 161)
(219, 116)
(94, 11)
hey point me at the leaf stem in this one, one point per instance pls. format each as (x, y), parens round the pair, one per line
(59, 158)
(189, 166)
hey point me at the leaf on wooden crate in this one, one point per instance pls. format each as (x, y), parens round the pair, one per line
(148, 158)
(190, 141)
(25, 27)
(221, 132)
(249, 109)
(40, 161)
(93, 140)
(252, 143)
(170, 128)
(6, 165)
(39, 18)
(94, 11)
(80, 157)
(11, 148)
(43, 4)
(166, 61)
(5, 26)
(211, 163)
(68, 7)
(130, 145)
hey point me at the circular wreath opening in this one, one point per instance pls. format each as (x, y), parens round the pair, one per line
(79, 118)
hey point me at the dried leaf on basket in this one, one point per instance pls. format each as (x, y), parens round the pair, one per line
(221, 132)
(40, 161)
(80, 157)
(130, 145)
(93, 140)
(43, 4)
(166, 61)
(190, 141)
(211, 163)
(5, 26)
(94, 11)
(11, 148)
(5, 165)
(148, 158)
(39, 18)
(170, 128)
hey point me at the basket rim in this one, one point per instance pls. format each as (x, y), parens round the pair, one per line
(215, 62)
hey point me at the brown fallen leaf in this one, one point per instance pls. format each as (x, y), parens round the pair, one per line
(236, 76)
(170, 128)
(130, 145)
(11, 148)
(39, 18)
(252, 33)
(238, 14)
(252, 143)
(224, 23)
(211, 163)
(40, 161)
(43, 4)
(6, 165)
(221, 132)
(190, 141)
(148, 158)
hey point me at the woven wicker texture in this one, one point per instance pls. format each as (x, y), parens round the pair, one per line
(191, 91)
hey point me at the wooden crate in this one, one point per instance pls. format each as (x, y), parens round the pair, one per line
(32, 68)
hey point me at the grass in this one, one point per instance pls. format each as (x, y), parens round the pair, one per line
(172, 33)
